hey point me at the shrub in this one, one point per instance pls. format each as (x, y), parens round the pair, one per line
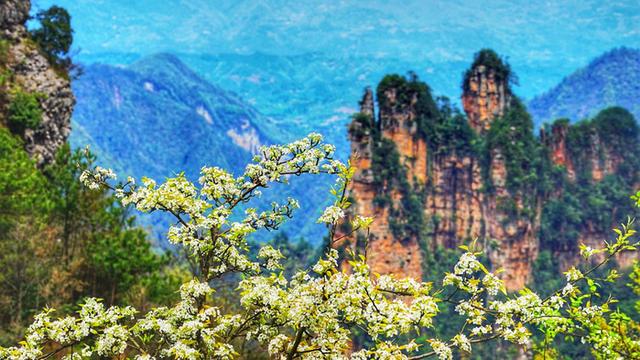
(24, 111)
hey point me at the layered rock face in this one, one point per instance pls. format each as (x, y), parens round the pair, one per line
(603, 159)
(485, 97)
(557, 143)
(398, 124)
(31, 72)
(512, 242)
(389, 253)
(601, 156)
(455, 200)
(461, 192)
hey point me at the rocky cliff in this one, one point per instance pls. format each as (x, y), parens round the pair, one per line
(486, 90)
(27, 74)
(599, 161)
(434, 178)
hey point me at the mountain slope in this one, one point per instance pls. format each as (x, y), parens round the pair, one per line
(611, 79)
(157, 117)
(311, 92)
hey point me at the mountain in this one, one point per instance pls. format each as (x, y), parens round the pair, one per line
(310, 92)
(305, 63)
(434, 178)
(315, 91)
(550, 38)
(157, 117)
(610, 79)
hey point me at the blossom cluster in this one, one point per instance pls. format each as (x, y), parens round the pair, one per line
(311, 314)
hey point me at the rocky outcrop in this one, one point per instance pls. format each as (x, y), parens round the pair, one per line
(589, 152)
(31, 72)
(556, 141)
(454, 203)
(604, 160)
(599, 158)
(35, 75)
(361, 137)
(469, 211)
(464, 193)
(398, 123)
(486, 96)
(511, 240)
(455, 209)
(13, 15)
(386, 254)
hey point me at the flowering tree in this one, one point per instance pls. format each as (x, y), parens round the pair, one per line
(310, 315)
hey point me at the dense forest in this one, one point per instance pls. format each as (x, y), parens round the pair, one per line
(610, 79)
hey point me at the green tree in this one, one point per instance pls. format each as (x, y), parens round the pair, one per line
(100, 245)
(23, 200)
(60, 242)
(24, 111)
(121, 257)
(55, 35)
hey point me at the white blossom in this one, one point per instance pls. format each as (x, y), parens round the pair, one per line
(442, 350)
(331, 215)
(308, 315)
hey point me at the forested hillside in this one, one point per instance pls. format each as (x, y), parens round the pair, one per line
(157, 118)
(612, 79)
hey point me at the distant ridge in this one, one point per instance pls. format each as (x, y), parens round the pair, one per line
(610, 79)
(157, 117)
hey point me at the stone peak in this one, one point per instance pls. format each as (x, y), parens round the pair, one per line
(366, 104)
(486, 90)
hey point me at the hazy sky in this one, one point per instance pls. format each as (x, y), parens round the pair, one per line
(437, 30)
(543, 40)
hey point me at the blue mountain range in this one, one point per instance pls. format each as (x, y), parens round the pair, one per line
(177, 84)
(609, 80)
(157, 117)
